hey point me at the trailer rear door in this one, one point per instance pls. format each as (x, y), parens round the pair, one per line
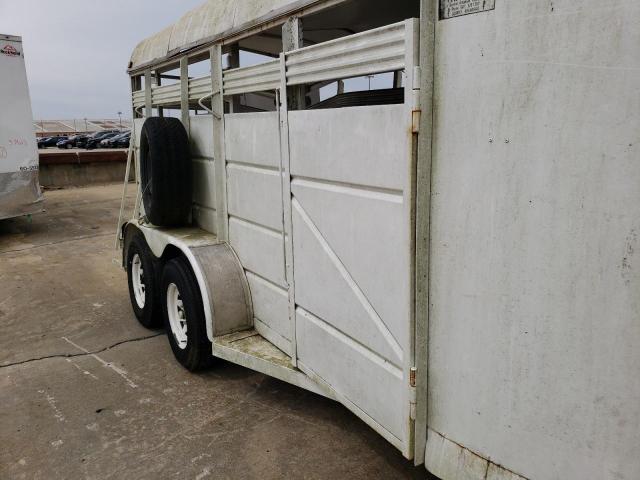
(352, 245)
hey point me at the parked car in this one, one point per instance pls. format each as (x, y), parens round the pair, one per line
(50, 141)
(106, 140)
(111, 142)
(122, 142)
(70, 142)
(82, 142)
(95, 142)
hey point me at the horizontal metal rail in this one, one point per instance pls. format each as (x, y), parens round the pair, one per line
(138, 98)
(165, 94)
(199, 87)
(374, 51)
(256, 78)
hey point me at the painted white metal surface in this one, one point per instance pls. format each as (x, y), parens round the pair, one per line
(535, 291)
(351, 239)
(199, 87)
(19, 188)
(257, 78)
(165, 94)
(332, 189)
(138, 98)
(204, 175)
(373, 51)
(254, 195)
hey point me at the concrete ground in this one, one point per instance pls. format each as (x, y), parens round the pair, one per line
(85, 392)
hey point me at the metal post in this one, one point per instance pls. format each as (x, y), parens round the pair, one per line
(234, 62)
(135, 86)
(184, 92)
(292, 39)
(397, 79)
(158, 80)
(425, 84)
(287, 206)
(148, 106)
(220, 162)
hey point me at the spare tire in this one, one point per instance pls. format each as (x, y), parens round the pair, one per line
(166, 172)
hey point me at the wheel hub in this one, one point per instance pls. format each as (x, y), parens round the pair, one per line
(177, 316)
(137, 276)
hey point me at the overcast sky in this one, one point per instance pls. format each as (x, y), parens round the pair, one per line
(77, 50)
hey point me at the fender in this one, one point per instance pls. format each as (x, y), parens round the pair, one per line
(225, 312)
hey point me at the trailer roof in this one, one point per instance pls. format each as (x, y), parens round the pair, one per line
(10, 38)
(213, 20)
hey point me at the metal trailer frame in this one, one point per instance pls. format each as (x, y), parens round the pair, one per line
(448, 454)
(390, 48)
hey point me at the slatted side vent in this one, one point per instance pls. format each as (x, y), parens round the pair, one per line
(374, 51)
(257, 78)
(165, 95)
(199, 87)
(138, 98)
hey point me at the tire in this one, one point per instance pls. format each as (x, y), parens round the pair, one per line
(184, 316)
(166, 172)
(142, 276)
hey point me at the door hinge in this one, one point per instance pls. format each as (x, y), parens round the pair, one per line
(417, 73)
(412, 393)
(415, 121)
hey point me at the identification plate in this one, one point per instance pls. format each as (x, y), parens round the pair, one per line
(457, 8)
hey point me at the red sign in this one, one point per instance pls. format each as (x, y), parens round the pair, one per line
(10, 50)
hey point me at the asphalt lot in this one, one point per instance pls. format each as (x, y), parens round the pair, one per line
(85, 392)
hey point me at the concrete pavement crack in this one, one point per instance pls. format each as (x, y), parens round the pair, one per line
(58, 242)
(82, 354)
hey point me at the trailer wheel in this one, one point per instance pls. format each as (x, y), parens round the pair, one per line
(166, 171)
(142, 279)
(184, 315)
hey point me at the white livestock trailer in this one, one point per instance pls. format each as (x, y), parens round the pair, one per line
(19, 188)
(452, 255)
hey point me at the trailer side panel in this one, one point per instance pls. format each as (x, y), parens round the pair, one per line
(535, 290)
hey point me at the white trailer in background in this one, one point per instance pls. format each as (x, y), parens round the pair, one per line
(454, 258)
(19, 188)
